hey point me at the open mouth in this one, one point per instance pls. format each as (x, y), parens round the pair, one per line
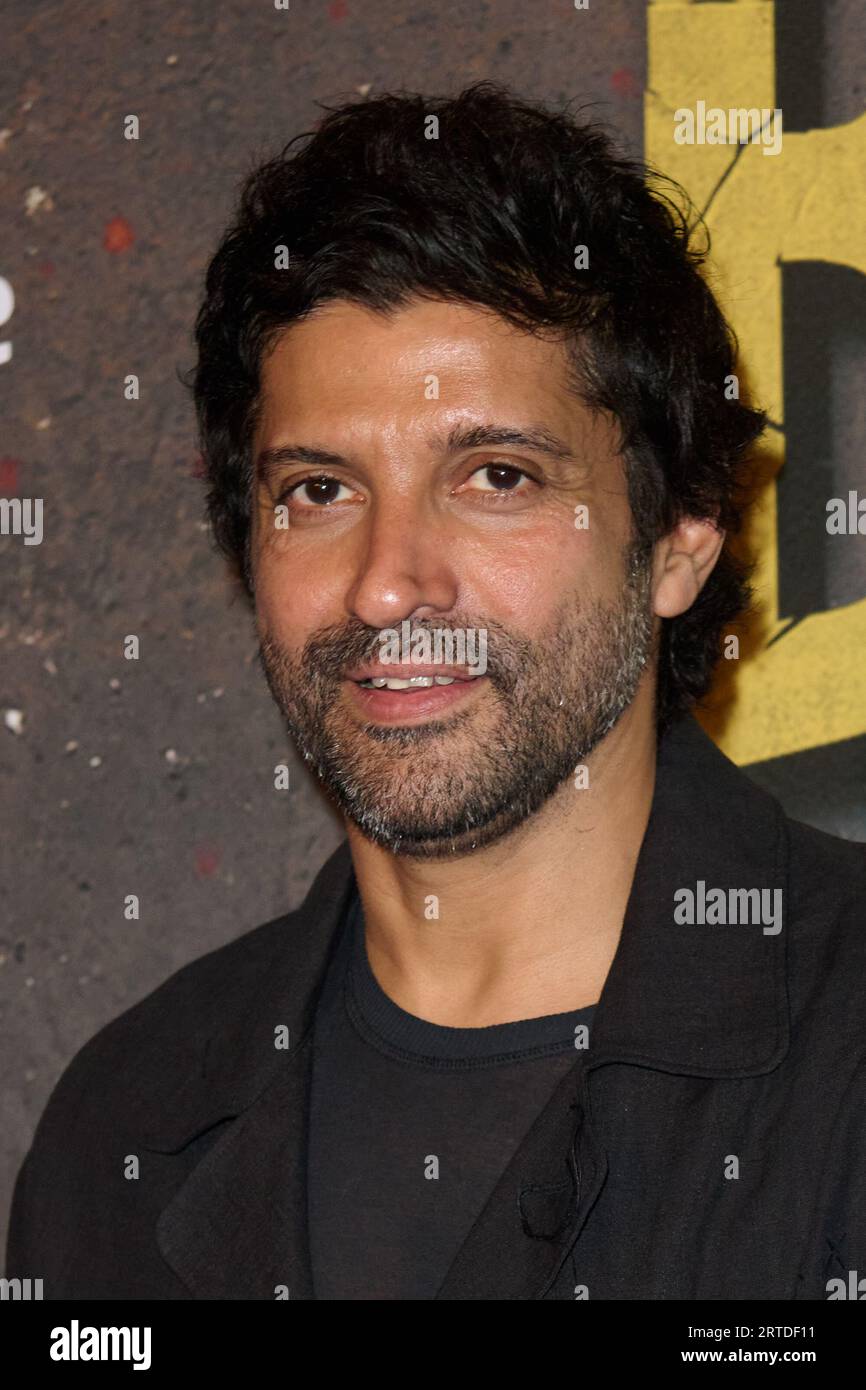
(413, 683)
(411, 698)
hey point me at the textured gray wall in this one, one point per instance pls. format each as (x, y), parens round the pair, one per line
(155, 776)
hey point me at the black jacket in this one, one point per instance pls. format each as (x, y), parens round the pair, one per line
(710, 1144)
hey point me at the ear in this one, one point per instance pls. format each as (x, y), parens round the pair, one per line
(682, 563)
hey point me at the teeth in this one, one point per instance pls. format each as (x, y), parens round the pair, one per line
(413, 683)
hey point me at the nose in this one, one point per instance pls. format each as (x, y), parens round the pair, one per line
(404, 569)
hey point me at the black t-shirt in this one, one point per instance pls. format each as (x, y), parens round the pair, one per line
(411, 1126)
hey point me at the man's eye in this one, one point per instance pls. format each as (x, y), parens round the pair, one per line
(320, 491)
(501, 477)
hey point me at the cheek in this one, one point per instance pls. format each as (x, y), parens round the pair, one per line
(524, 582)
(290, 602)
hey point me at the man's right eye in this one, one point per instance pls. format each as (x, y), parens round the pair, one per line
(319, 491)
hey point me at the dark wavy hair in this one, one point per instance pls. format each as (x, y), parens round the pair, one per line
(374, 211)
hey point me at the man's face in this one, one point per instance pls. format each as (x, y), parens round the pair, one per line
(412, 518)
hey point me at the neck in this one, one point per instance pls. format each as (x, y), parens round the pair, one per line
(529, 925)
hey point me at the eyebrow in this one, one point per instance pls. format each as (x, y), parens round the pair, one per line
(269, 460)
(535, 437)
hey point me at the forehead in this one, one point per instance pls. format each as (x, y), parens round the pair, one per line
(346, 366)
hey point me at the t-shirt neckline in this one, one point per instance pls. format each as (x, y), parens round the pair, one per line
(395, 1030)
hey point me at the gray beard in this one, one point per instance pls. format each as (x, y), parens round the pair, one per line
(452, 786)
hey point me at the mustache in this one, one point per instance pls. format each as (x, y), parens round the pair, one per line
(330, 652)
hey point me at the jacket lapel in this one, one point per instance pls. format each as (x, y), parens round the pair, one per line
(237, 1226)
(528, 1226)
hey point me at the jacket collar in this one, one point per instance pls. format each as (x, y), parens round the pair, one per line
(701, 1000)
(697, 1000)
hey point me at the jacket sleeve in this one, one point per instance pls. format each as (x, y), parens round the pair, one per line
(840, 1262)
(45, 1201)
(18, 1260)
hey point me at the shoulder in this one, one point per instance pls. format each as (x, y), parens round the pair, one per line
(163, 1035)
(217, 997)
(826, 872)
(213, 1005)
(185, 1009)
(826, 917)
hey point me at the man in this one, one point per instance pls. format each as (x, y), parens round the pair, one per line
(575, 1011)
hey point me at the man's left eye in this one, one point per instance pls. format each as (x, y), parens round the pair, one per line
(501, 477)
